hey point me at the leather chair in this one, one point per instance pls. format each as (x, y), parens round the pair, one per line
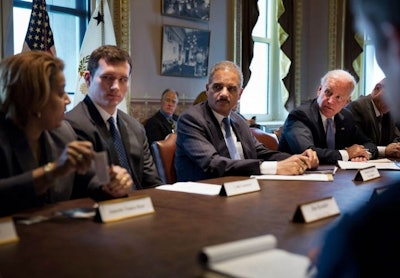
(267, 139)
(164, 157)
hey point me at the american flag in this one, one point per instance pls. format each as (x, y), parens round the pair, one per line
(39, 35)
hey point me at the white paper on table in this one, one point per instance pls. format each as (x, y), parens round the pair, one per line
(380, 164)
(255, 257)
(192, 187)
(304, 177)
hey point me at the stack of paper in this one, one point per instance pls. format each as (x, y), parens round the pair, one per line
(380, 164)
(304, 177)
(192, 187)
(254, 257)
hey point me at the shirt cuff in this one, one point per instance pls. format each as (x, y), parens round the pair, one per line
(268, 167)
(381, 151)
(344, 154)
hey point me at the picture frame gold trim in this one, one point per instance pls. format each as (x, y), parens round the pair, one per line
(298, 49)
(237, 25)
(336, 23)
(121, 20)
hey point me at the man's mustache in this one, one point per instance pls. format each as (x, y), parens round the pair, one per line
(223, 99)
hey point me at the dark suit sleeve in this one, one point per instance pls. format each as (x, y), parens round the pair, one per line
(204, 148)
(300, 133)
(303, 129)
(153, 130)
(364, 116)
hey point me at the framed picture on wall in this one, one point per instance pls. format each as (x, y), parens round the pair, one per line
(185, 51)
(189, 9)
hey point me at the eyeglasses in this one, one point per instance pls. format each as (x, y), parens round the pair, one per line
(337, 98)
(218, 87)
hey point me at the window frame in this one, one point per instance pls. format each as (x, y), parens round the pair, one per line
(276, 112)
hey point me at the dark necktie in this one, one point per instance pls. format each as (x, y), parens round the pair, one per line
(379, 120)
(172, 123)
(385, 130)
(119, 147)
(330, 134)
(229, 140)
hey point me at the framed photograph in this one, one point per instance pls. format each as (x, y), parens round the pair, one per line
(185, 51)
(189, 9)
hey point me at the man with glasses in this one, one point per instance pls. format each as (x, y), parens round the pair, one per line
(163, 122)
(324, 126)
(97, 119)
(213, 141)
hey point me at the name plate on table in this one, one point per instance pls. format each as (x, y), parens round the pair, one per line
(367, 174)
(313, 211)
(8, 233)
(119, 209)
(239, 187)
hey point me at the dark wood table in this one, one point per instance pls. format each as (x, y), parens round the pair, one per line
(166, 243)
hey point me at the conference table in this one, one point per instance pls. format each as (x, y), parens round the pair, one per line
(166, 243)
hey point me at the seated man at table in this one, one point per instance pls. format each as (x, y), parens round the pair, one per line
(373, 117)
(163, 122)
(207, 147)
(324, 126)
(97, 118)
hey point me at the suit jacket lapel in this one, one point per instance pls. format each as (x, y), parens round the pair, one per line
(96, 118)
(215, 132)
(126, 141)
(240, 135)
(317, 121)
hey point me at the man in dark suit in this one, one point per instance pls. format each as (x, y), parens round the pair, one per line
(307, 125)
(163, 122)
(366, 243)
(213, 142)
(373, 117)
(96, 117)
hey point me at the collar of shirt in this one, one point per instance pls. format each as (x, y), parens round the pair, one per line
(166, 115)
(105, 116)
(323, 117)
(377, 112)
(220, 117)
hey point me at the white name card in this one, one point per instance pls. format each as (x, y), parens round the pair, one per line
(8, 233)
(118, 209)
(313, 211)
(367, 174)
(239, 187)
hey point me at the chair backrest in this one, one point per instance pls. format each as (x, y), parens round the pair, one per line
(164, 157)
(267, 139)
